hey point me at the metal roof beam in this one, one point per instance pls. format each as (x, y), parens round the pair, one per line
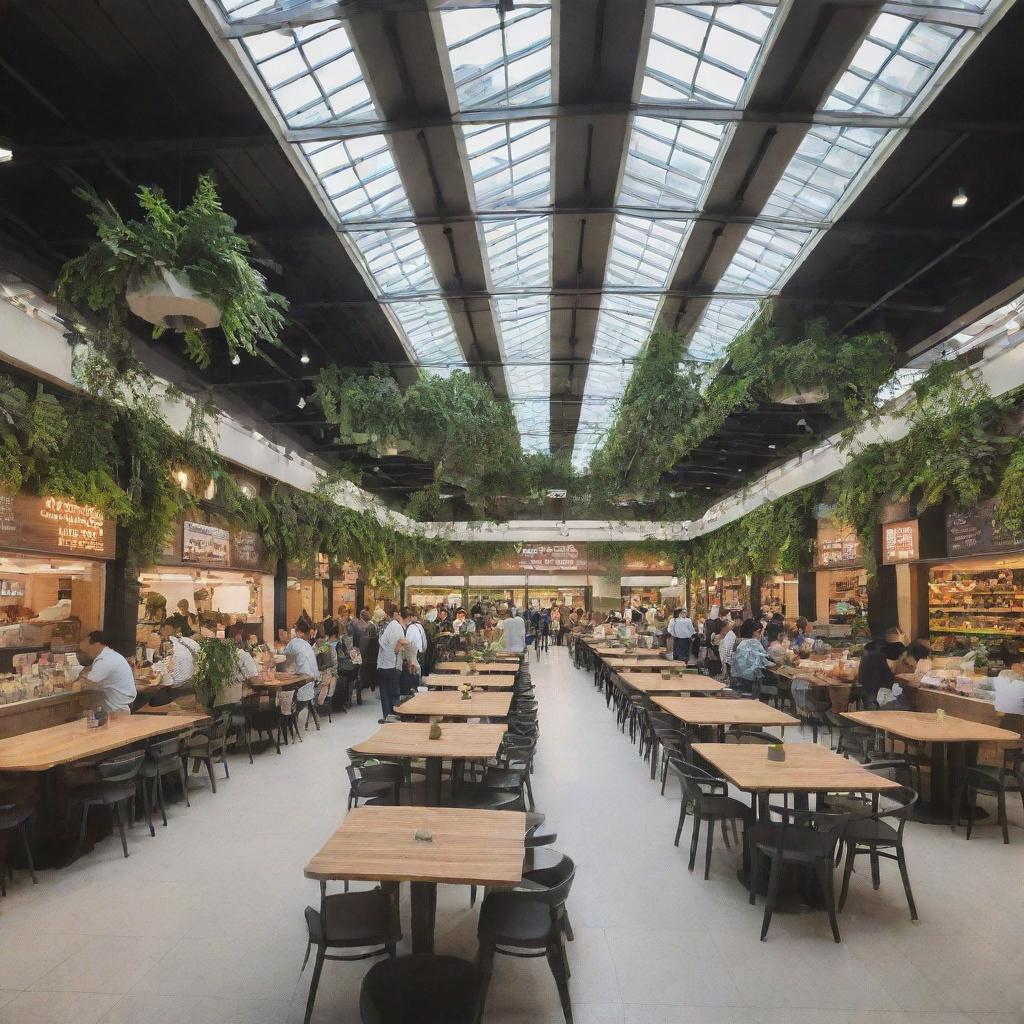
(101, 150)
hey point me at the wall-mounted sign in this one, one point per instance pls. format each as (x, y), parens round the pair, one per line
(246, 550)
(974, 532)
(900, 542)
(55, 526)
(551, 558)
(839, 553)
(205, 545)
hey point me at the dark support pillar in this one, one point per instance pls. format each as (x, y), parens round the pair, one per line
(121, 603)
(807, 595)
(756, 579)
(883, 608)
(280, 598)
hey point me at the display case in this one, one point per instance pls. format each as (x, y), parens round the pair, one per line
(977, 606)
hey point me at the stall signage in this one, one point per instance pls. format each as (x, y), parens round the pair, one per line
(900, 542)
(974, 532)
(550, 558)
(838, 552)
(206, 545)
(53, 525)
(246, 550)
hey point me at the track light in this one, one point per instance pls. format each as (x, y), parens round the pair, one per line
(772, 447)
(960, 199)
(304, 358)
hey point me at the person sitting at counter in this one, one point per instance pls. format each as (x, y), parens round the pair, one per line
(802, 634)
(183, 620)
(177, 682)
(109, 675)
(875, 676)
(303, 658)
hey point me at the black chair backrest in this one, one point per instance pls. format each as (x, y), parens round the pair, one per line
(694, 780)
(160, 749)
(897, 804)
(122, 767)
(557, 881)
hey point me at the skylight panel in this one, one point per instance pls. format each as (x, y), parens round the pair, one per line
(428, 327)
(312, 74)
(704, 54)
(525, 326)
(644, 251)
(499, 59)
(722, 321)
(518, 252)
(359, 177)
(397, 258)
(510, 163)
(762, 260)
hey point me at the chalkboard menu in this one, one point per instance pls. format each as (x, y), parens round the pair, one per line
(839, 553)
(54, 526)
(974, 532)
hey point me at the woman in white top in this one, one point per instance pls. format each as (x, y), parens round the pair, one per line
(681, 630)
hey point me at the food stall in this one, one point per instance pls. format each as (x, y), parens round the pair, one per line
(308, 590)
(779, 594)
(841, 580)
(52, 578)
(222, 574)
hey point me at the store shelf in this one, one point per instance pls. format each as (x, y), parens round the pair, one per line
(978, 611)
(976, 632)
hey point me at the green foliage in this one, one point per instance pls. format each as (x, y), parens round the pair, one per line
(362, 403)
(1010, 503)
(198, 241)
(215, 668)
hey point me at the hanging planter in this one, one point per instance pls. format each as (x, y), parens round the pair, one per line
(169, 300)
(793, 394)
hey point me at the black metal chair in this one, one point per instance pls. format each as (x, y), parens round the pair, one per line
(421, 989)
(877, 837)
(208, 744)
(13, 817)
(996, 781)
(114, 788)
(529, 923)
(808, 708)
(163, 757)
(374, 779)
(806, 839)
(711, 804)
(258, 714)
(367, 921)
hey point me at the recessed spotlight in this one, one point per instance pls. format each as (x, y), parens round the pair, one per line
(304, 358)
(236, 359)
(772, 447)
(739, 469)
(302, 402)
(960, 199)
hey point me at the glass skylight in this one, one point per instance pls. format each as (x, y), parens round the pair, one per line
(397, 259)
(644, 251)
(704, 54)
(428, 327)
(525, 326)
(518, 251)
(312, 74)
(722, 321)
(510, 163)
(499, 60)
(668, 162)
(359, 177)
(763, 258)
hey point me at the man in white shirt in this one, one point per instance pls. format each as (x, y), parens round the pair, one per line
(110, 674)
(514, 631)
(246, 672)
(680, 628)
(303, 657)
(178, 681)
(389, 659)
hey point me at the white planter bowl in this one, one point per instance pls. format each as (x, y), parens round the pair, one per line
(793, 395)
(170, 301)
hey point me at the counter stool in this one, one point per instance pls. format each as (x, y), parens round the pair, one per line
(12, 818)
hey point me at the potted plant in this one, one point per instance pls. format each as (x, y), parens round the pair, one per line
(185, 270)
(466, 691)
(215, 668)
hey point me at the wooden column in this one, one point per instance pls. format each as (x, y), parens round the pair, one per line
(912, 599)
(280, 598)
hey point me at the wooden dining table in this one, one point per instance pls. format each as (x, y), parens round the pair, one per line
(459, 741)
(450, 704)
(450, 681)
(473, 667)
(682, 682)
(636, 652)
(467, 847)
(950, 739)
(634, 664)
(281, 681)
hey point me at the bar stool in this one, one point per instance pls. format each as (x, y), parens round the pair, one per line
(12, 818)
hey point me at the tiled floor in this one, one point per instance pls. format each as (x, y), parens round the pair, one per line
(203, 924)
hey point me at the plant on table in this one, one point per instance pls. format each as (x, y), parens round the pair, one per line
(215, 669)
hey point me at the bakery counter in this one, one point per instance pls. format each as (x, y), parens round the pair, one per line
(33, 713)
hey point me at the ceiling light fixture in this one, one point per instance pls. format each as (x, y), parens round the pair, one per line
(304, 358)
(6, 155)
(1013, 325)
(772, 447)
(959, 200)
(302, 402)
(236, 359)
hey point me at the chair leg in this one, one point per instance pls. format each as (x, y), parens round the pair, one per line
(314, 983)
(147, 808)
(28, 853)
(248, 743)
(224, 761)
(472, 895)
(827, 885)
(707, 850)
(876, 874)
(529, 791)
(773, 892)
(485, 965)
(682, 818)
(119, 819)
(851, 852)
(1001, 804)
(559, 970)
(158, 789)
(184, 785)
(694, 840)
(81, 831)
(208, 761)
(972, 802)
(901, 860)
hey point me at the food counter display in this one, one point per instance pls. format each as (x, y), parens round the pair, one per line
(977, 608)
(847, 594)
(779, 595)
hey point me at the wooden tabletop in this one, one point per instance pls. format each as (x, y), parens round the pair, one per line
(808, 768)
(410, 739)
(702, 711)
(449, 704)
(449, 680)
(472, 668)
(645, 664)
(62, 744)
(469, 847)
(637, 652)
(683, 682)
(497, 655)
(924, 727)
(806, 672)
(281, 681)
